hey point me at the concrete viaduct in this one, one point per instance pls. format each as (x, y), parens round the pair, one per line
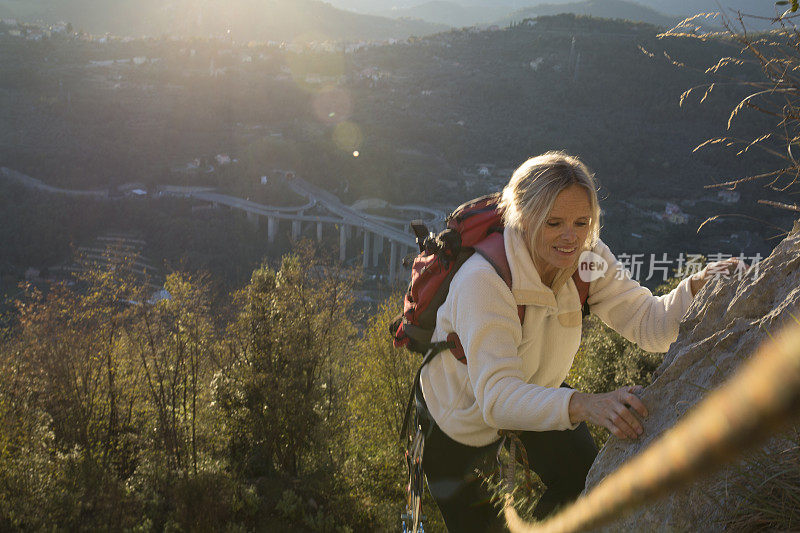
(377, 231)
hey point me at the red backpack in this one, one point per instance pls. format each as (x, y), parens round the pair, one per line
(475, 226)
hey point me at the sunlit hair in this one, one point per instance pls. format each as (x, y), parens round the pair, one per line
(531, 192)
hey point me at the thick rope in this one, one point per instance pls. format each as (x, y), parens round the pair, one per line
(761, 398)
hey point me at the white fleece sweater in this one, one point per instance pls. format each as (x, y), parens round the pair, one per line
(513, 372)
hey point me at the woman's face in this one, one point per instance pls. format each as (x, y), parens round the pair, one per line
(563, 233)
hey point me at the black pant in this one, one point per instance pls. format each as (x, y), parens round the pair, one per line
(560, 458)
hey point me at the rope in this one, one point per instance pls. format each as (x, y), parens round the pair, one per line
(517, 453)
(761, 398)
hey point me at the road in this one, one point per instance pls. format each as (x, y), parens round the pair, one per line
(314, 194)
(349, 215)
(33, 183)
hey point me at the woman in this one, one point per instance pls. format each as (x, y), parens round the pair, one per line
(514, 375)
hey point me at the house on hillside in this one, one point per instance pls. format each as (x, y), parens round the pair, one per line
(485, 169)
(728, 196)
(59, 27)
(355, 47)
(674, 215)
(32, 274)
(215, 72)
(534, 65)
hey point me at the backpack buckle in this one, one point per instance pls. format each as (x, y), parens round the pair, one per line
(421, 232)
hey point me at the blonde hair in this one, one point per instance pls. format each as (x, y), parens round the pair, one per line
(531, 192)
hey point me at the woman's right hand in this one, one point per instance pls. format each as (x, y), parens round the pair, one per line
(611, 410)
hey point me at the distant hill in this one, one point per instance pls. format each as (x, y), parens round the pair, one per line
(382, 6)
(246, 19)
(690, 7)
(459, 13)
(448, 12)
(610, 9)
(686, 8)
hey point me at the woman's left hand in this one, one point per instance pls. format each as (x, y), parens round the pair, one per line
(612, 410)
(717, 268)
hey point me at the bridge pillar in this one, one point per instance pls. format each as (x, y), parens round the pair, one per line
(272, 229)
(342, 243)
(365, 260)
(295, 229)
(377, 248)
(319, 231)
(252, 218)
(392, 263)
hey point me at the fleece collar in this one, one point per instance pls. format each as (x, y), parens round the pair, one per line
(526, 285)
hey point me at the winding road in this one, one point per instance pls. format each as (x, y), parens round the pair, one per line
(342, 214)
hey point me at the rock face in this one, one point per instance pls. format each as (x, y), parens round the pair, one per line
(725, 324)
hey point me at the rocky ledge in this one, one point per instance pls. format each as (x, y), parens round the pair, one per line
(725, 324)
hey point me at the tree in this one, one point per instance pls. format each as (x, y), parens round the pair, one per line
(286, 353)
(382, 379)
(776, 54)
(171, 345)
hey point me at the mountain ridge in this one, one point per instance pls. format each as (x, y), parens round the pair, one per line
(610, 9)
(243, 20)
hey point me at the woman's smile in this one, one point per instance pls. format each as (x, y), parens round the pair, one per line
(563, 233)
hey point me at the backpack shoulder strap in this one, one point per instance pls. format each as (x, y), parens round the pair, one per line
(493, 249)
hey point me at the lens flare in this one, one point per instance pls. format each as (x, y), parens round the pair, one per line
(332, 105)
(348, 137)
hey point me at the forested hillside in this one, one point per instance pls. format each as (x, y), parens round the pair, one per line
(422, 114)
(610, 9)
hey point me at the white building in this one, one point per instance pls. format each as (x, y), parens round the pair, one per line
(485, 169)
(534, 65)
(673, 214)
(728, 196)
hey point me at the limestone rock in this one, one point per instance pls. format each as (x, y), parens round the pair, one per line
(725, 324)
